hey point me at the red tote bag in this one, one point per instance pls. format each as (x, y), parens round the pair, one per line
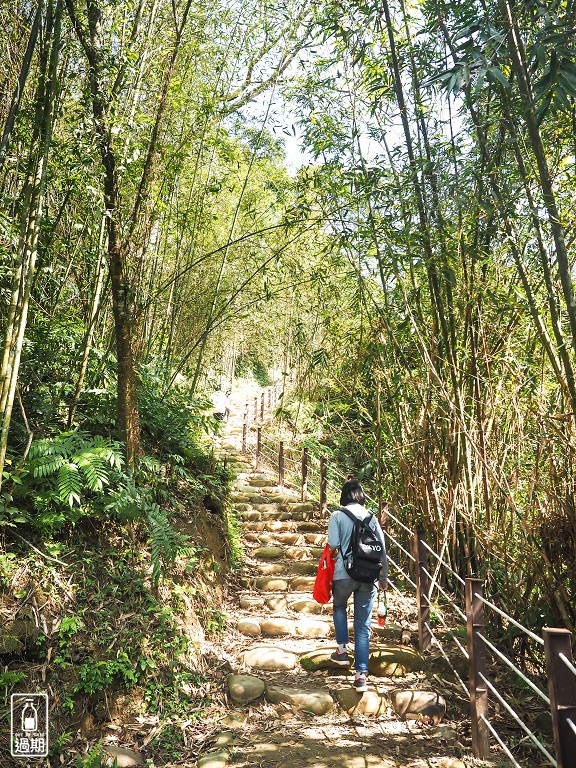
(323, 584)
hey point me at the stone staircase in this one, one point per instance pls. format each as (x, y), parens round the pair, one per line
(288, 703)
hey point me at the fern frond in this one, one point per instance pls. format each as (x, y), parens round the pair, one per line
(94, 758)
(109, 451)
(47, 465)
(165, 542)
(69, 484)
(93, 469)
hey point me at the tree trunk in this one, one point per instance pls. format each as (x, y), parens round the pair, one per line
(94, 310)
(127, 379)
(516, 48)
(32, 212)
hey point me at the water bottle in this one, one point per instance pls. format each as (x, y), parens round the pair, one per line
(29, 716)
(382, 610)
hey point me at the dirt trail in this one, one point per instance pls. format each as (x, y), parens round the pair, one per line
(311, 717)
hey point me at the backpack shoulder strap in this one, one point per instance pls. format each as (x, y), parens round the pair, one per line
(348, 514)
(354, 520)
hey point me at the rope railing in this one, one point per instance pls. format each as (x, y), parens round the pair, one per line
(321, 480)
(570, 711)
(567, 663)
(444, 563)
(450, 599)
(397, 543)
(401, 570)
(447, 658)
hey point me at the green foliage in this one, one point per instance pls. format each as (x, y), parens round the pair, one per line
(63, 474)
(215, 621)
(253, 364)
(69, 626)
(171, 417)
(94, 758)
(96, 675)
(9, 678)
(165, 543)
(8, 566)
(47, 373)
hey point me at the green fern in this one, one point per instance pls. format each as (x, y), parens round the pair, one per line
(69, 484)
(72, 463)
(47, 465)
(165, 543)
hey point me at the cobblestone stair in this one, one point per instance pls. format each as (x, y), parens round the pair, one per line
(289, 704)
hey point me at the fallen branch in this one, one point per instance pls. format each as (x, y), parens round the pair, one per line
(43, 554)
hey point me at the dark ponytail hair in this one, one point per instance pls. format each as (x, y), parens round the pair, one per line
(352, 493)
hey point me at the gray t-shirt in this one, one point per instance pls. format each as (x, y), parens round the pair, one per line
(339, 531)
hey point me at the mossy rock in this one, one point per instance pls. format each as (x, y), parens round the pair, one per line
(10, 644)
(17, 635)
(268, 553)
(368, 703)
(319, 659)
(394, 661)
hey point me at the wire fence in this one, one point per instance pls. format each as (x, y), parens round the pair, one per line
(440, 594)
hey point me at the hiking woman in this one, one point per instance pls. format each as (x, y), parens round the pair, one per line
(340, 530)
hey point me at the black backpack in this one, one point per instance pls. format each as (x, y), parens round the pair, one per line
(365, 555)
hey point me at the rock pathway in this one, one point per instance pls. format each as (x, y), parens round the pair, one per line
(289, 705)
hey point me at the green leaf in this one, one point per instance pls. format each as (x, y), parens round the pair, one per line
(499, 76)
(69, 484)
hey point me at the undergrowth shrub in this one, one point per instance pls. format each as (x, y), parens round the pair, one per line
(172, 419)
(64, 474)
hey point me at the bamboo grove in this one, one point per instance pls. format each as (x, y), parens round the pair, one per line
(423, 251)
(445, 141)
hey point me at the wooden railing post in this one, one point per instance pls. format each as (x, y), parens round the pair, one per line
(477, 667)
(304, 490)
(422, 591)
(255, 409)
(281, 463)
(323, 484)
(269, 397)
(244, 435)
(258, 445)
(562, 691)
(262, 407)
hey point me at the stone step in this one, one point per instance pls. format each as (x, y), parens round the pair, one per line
(282, 525)
(240, 498)
(304, 553)
(314, 701)
(286, 568)
(268, 553)
(270, 511)
(287, 553)
(281, 654)
(385, 660)
(279, 537)
(286, 538)
(281, 627)
(282, 583)
(269, 658)
(298, 603)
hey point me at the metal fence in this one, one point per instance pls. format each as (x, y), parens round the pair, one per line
(456, 597)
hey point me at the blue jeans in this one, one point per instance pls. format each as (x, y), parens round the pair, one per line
(364, 595)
